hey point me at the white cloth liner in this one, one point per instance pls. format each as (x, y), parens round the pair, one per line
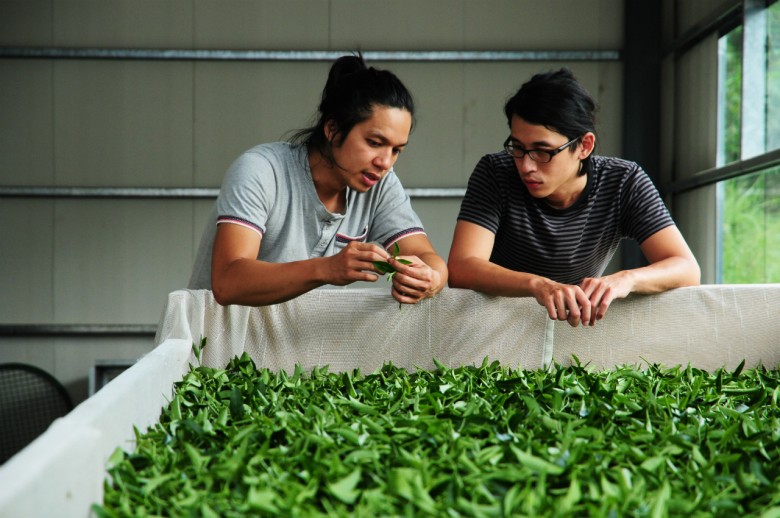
(708, 326)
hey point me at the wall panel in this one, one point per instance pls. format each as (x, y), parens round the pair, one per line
(26, 260)
(261, 24)
(406, 25)
(240, 105)
(123, 23)
(26, 22)
(439, 218)
(434, 156)
(553, 25)
(115, 261)
(126, 123)
(696, 108)
(26, 136)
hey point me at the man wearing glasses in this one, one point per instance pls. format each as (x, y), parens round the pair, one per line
(543, 217)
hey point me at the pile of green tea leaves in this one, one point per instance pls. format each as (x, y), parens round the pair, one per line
(468, 441)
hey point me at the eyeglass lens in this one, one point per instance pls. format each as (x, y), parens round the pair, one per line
(535, 154)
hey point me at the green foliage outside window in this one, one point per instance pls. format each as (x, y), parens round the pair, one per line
(750, 238)
(732, 132)
(751, 229)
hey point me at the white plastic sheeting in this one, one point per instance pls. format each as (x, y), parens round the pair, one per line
(62, 472)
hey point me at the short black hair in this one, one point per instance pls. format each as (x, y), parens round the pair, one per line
(557, 101)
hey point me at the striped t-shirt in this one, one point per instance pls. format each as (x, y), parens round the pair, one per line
(565, 245)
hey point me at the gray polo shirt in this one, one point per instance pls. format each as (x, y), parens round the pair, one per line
(269, 189)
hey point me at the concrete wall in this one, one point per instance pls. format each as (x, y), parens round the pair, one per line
(148, 123)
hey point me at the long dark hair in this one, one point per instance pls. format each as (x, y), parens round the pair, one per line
(350, 95)
(558, 102)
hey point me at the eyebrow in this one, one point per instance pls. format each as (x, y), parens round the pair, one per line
(534, 145)
(379, 136)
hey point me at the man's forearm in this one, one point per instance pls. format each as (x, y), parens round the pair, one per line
(667, 274)
(251, 282)
(486, 277)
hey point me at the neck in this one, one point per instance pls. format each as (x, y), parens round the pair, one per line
(570, 193)
(330, 189)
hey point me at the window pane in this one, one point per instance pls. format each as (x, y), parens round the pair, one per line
(730, 93)
(773, 77)
(750, 240)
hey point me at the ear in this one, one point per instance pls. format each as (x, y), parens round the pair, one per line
(587, 145)
(330, 130)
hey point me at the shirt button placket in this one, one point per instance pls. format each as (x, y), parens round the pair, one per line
(326, 235)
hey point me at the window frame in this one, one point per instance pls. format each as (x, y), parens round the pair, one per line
(754, 157)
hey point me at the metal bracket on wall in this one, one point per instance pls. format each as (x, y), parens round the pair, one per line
(60, 330)
(304, 55)
(172, 192)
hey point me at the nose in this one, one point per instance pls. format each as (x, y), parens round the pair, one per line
(384, 159)
(525, 164)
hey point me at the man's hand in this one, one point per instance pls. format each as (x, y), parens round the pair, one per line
(601, 291)
(563, 302)
(413, 282)
(354, 263)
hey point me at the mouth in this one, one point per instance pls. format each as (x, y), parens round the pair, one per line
(370, 179)
(531, 183)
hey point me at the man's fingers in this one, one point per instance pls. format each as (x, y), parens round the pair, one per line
(606, 300)
(586, 308)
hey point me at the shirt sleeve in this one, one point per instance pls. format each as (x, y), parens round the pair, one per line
(481, 203)
(394, 218)
(248, 192)
(644, 212)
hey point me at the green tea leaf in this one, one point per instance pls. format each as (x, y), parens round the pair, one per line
(262, 500)
(345, 488)
(383, 267)
(236, 404)
(536, 464)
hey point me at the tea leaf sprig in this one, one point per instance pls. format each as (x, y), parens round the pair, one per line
(386, 268)
(469, 441)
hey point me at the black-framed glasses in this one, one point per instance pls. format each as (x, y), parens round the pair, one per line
(537, 155)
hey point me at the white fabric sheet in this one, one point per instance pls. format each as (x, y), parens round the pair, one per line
(707, 326)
